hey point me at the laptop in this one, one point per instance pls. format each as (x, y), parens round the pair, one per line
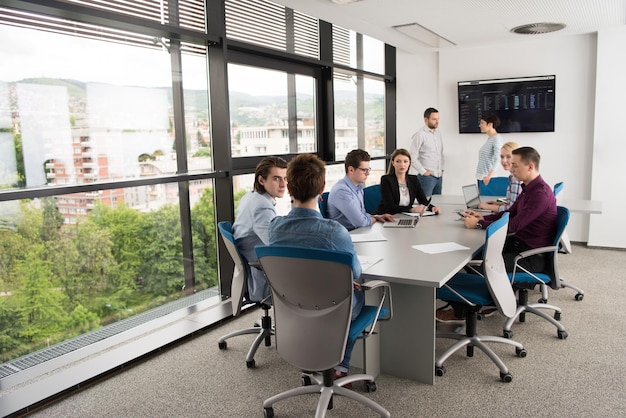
(472, 198)
(402, 223)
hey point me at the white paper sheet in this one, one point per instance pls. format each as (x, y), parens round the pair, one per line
(368, 261)
(367, 237)
(442, 247)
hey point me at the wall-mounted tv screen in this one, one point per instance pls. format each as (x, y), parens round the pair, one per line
(524, 104)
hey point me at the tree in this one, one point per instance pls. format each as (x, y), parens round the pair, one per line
(162, 251)
(124, 226)
(204, 239)
(41, 305)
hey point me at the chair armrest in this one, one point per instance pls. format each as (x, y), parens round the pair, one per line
(535, 251)
(385, 299)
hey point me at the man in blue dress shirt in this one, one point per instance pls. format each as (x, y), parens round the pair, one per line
(345, 200)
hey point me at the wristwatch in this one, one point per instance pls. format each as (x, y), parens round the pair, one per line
(479, 226)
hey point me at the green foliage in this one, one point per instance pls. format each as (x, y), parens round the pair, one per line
(162, 249)
(59, 281)
(204, 236)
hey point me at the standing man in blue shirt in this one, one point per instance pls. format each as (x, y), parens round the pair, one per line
(427, 154)
(254, 213)
(345, 200)
(304, 226)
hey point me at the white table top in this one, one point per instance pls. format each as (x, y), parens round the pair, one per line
(403, 264)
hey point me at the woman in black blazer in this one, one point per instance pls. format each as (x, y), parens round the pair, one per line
(399, 189)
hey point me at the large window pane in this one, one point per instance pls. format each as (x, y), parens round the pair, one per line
(374, 116)
(260, 115)
(197, 121)
(76, 121)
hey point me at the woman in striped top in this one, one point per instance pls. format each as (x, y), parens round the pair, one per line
(515, 186)
(490, 151)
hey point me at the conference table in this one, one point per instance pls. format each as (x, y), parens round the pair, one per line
(407, 342)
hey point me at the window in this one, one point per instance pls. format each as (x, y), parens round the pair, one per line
(261, 114)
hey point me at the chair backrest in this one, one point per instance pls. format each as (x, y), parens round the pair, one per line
(371, 198)
(323, 204)
(495, 271)
(562, 219)
(497, 187)
(238, 286)
(558, 188)
(312, 293)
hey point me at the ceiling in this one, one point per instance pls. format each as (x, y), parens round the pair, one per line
(465, 23)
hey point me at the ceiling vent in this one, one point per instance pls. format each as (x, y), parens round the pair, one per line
(538, 28)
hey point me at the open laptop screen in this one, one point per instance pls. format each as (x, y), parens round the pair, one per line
(470, 194)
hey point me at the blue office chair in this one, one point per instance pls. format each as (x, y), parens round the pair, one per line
(497, 187)
(323, 204)
(468, 293)
(371, 198)
(565, 247)
(312, 292)
(239, 298)
(523, 280)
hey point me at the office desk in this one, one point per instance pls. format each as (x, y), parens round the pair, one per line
(408, 340)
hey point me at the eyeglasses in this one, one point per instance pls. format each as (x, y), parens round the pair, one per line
(364, 170)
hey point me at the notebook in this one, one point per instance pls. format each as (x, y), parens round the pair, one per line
(472, 198)
(402, 223)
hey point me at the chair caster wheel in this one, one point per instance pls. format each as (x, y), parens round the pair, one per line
(521, 352)
(557, 316)
(542, 300)
(579, 296)
(305, 380)
(221, 345)
(507, 334)
(506, 377)
(562, 335)
(268, 412)
(440, 371)
(251, 364)
(370, 386)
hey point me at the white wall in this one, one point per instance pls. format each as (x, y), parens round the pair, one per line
(566, 153)
(609, 230)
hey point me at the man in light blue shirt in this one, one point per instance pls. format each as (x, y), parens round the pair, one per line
(304, 226)
(254, 213)
(427, 154)
(345, 200)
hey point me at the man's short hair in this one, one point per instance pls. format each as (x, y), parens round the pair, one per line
(528, 155)
(355, 157)
(492, 119)
(428, 111)
(263, 169)
(306, 177)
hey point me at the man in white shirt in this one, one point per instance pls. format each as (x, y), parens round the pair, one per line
(254, 213)
(427, 154)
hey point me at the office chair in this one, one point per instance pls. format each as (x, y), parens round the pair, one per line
(371, 198)
(312, 291)
(497, 187)
(323, 204)
(468, 293)
(565, 247)
(523, 280)
(238, 298)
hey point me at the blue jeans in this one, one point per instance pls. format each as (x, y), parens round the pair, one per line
(430, 184)
(357, 304)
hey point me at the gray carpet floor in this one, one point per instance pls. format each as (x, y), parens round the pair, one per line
(581, 376)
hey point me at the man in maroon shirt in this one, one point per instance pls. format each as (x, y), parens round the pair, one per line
(532, 222)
